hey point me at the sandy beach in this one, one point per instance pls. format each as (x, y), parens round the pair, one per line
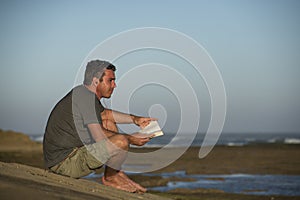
(22, 170)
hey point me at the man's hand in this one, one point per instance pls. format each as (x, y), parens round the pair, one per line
(142, 121)
(139, 139)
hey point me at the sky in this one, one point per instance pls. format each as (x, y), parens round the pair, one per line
(255, 45)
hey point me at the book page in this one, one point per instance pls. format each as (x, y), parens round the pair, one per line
(152, 128)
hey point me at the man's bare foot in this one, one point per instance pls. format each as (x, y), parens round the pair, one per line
(118, 182)
(136, 185)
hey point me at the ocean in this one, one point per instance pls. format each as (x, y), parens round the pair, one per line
(225, 139)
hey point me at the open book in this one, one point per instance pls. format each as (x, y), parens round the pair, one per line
(152, 128)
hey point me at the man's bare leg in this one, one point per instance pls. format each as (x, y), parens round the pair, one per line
(114, 171)
(117, 147)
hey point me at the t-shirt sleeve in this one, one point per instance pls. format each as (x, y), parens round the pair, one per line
(90, 109)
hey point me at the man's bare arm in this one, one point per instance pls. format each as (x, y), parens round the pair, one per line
(99, 132)
(123, 118)
(117, 117)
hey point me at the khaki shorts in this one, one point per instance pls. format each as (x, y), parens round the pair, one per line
(83, 160)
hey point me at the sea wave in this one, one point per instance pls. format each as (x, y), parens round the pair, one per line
(292, 141)
(37, 138)
(235, 144)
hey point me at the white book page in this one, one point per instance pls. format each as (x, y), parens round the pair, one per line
(152, 128)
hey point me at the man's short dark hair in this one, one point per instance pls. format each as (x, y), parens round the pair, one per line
(96, 68)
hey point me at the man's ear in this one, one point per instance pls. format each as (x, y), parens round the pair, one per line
(95, 81)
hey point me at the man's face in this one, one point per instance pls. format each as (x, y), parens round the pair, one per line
(106, 87)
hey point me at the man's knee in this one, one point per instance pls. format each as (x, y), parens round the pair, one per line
(110, 125)
(121, 141)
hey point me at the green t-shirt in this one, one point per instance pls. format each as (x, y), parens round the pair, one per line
(67, 124)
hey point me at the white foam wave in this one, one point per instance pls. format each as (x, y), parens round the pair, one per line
(37, 138)
(292, 141)
(239, 144)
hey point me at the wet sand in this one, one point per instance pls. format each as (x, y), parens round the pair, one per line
(33, 181)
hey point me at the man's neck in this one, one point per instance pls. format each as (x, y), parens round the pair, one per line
(92, 89)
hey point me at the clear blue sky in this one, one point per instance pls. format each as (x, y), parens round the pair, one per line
(255, 44)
